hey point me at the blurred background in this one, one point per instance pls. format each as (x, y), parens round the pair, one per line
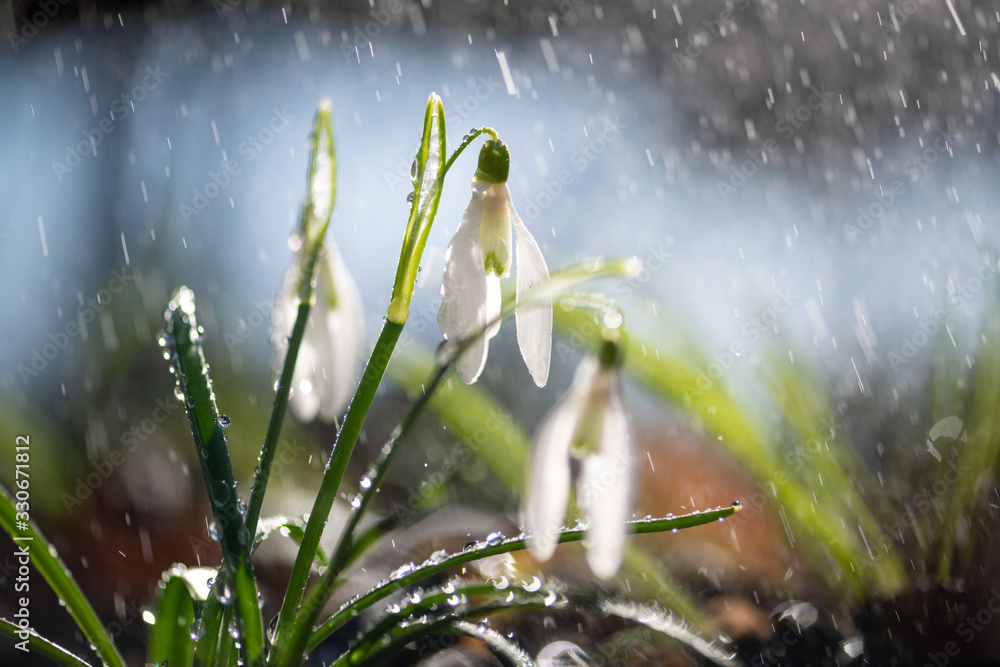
(812, 189)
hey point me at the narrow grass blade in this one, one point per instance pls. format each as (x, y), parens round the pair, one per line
(43, 556)
(480, 550)
(41, 645)
(977, 464)
(183, 342)
(509, 653)
(490, 432)
(170, 640)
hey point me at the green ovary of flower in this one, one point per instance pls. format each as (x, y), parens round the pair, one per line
(494, 162)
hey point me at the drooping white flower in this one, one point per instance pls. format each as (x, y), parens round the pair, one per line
(326, 370)
(589, 424)
(478, 256)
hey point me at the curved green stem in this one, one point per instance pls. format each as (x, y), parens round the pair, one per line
(485, 550)
(559, 282)
(468, 139)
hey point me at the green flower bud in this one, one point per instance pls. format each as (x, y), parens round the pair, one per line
(494, 162)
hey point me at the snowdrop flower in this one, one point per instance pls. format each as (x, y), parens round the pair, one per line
(588, 424)
(326, 370)
(478, 256)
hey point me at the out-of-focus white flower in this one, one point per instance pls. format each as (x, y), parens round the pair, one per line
(478, 256)
(588, 423)
(326, 370)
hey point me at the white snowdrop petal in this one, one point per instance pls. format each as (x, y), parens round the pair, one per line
(494, 304)
(548, 488)
(464, 290)
(345, 336)
(305, 400)
(604, 491)
(534, 322)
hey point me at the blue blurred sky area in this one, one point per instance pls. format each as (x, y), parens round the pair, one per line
(177, 150)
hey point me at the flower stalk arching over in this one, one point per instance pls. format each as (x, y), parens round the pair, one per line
(588, 423)
(478, 256)
(326, 371)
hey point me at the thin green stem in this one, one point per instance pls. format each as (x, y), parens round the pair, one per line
(466, 140)
(277, 418)
(41, 645)
(559, 282)
(321, 181)
(43, 556)
(346, 544)
(345, 549)
(486, 550)
(342, 449)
